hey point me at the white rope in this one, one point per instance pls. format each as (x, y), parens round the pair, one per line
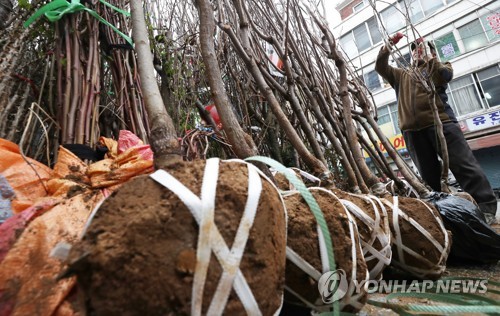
(385, 238)
(323, 252)
(228, 259)
(397, 231)
(409, 189)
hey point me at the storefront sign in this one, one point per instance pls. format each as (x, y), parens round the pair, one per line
(398, 142)
(483, 121)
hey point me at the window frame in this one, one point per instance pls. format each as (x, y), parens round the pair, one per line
(439, 46)
(480, 83)
(463, 38)
(358, 7)
(476, 89)
(393, 119)
(402, 7)
(366, 76)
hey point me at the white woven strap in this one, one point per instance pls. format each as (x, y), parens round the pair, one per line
(352, 298)
(383, 255)
(383, 211)
(302, 264)
(307, 175)
(210, 238)
(409, 190)
(384, 237)
(225, 284)
(444, 252)
(282, 202)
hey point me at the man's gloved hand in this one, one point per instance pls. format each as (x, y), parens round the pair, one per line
(395, 38)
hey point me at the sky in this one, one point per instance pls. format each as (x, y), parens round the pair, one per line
(332, 15)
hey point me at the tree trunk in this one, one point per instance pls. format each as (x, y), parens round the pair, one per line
(163, 138)
(233, 130)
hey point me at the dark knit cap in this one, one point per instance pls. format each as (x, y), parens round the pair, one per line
(418, 41)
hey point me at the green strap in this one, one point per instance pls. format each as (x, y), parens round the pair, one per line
(313, 206)
(56, 9)
(451, 309)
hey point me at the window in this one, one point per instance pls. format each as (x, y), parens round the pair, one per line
(473, 35)
(361, 37)
(348, 45)
(372, 80)
(431, 6)
(404, 60)
(447, 47)
(389, 114)
(393, 19)
(393, 108)
(358, 6)
(489, 79)
(464, 95)
(383, 115)
(413, 8)
(401, 61)
(374, 30)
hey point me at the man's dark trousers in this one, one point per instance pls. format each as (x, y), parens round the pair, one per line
(424, 150)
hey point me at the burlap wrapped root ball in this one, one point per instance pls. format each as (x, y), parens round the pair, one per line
(305, 266)
(373, 227)
(420, 242)
(145, 254)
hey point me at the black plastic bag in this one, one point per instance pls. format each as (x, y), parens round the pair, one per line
(473, 240)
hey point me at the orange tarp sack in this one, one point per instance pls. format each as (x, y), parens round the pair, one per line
(26, 177)
(28, 284)
(14, 226)
(109, 172)
(34, 289)
(130, 157)
(69, 166)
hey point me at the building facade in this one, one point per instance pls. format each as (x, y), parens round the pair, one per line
(465, 33)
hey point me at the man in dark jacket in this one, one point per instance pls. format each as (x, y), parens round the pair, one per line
(417, 123)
